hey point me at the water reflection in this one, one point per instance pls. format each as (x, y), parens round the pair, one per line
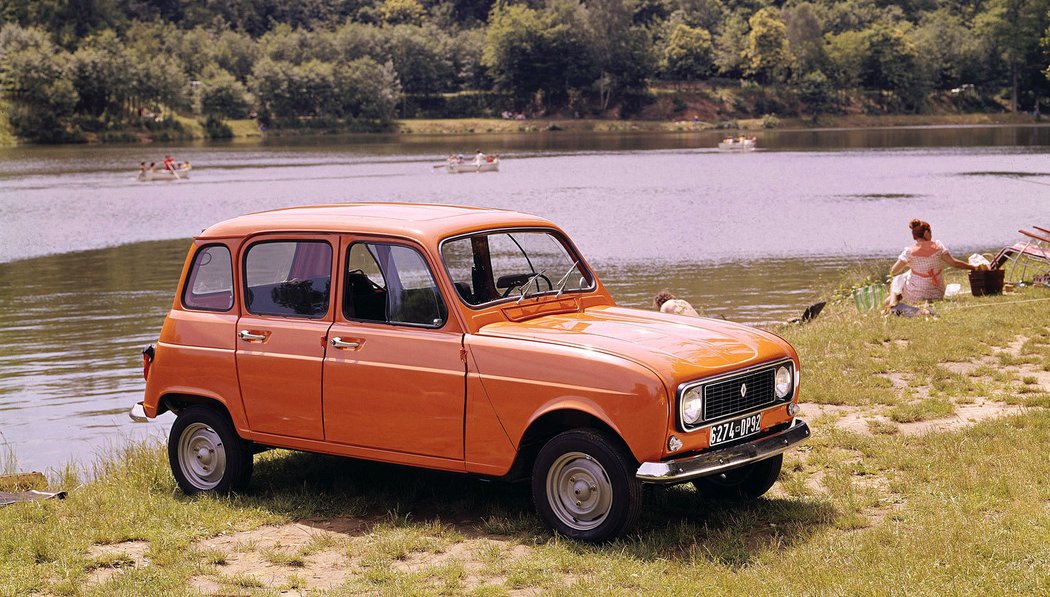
(71, 328)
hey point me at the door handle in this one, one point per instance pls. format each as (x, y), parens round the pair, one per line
(339, 343)
(250, 337)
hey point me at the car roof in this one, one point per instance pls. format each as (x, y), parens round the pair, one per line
(423, 222)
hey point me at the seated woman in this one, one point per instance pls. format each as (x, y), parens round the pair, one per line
(926, 258)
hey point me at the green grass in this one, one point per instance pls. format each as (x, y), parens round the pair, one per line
(874, 513)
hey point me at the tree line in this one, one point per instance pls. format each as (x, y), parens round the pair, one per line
(68, 66)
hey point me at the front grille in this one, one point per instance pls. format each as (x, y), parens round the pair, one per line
(722, 398)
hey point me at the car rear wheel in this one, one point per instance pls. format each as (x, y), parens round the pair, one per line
(206, 454)
(742, 484)
(584, 487)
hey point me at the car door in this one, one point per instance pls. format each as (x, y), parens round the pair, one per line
(286, 312)
(394, 375)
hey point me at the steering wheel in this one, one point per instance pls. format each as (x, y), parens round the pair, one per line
(524, 282)
(375, 287)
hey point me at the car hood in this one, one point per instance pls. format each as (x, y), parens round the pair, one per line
(675, 347)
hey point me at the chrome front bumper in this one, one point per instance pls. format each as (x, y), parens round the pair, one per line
(138, 413)
(722, 459)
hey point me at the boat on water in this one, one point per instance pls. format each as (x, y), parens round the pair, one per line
(738, 144)
(487, 165)
(162, 174)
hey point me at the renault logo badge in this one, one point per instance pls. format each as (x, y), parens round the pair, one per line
(743, 390)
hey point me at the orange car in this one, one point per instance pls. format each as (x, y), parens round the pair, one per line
(462, 339)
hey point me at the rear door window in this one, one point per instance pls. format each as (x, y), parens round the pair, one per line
(289, 278)
(209, 286)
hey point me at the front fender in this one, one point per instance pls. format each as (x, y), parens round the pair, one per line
(526, 379)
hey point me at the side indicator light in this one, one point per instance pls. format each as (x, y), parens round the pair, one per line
(147, 360)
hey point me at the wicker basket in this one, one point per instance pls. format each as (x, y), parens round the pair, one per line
(987, 282)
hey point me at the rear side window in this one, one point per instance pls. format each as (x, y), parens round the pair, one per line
(210, 283)
(288, 278)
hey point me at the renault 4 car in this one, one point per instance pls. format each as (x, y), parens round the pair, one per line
(471, 340)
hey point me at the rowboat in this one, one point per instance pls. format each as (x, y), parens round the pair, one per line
(182, 173)
(737, 144)
(462, 167)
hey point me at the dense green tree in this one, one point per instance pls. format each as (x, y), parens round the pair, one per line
(1045, 42)
(706, 14)
(688, 54)
(767, 53)
(805, 38)
(817, 91)
(160, 83)
(422, 58)
(1013, 29)
(356, 40)
(67, 21)
(650, 13)
(948, 54)
(529, 51)
(730, 46)
(359, 89)
(36, 76)
(101, 76)
(402, 12)
(856, 15)
(846, 53)
(623, 51)
(370, 90)
(891, 63)
(221, 95)
(235, 52)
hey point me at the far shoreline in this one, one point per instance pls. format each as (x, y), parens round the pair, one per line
(247, 129)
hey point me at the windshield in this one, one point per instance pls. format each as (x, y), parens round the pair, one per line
(490, 266)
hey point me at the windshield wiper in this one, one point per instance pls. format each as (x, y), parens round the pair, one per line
(565, 279)
(525, 288)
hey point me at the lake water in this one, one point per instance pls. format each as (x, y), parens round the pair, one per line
(752, 237)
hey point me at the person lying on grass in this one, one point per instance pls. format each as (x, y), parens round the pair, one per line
(924, 281)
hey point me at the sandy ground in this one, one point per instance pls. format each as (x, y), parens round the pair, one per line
(968, 412)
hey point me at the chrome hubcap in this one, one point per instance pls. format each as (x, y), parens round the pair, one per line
(579, 491)
(202, 456)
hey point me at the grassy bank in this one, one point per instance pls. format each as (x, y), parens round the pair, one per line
(901, 490)
(464, 126)
(248, 129)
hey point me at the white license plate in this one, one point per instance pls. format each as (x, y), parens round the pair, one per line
(731, 430)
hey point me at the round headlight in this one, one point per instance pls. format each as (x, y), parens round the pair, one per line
(783, 382)
(692, 406)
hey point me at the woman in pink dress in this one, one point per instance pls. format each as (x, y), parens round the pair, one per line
(926, 258)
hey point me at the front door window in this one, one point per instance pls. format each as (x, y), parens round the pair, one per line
(391, 284)
(394, 377)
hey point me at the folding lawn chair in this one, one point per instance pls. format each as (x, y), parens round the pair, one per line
(1030, 255)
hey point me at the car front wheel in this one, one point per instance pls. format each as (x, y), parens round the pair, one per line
(584, 487)
(206, 454)
(743, 484)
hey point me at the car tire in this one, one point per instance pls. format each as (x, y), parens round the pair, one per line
(206, 454)
(742, 484)
(584, 485)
